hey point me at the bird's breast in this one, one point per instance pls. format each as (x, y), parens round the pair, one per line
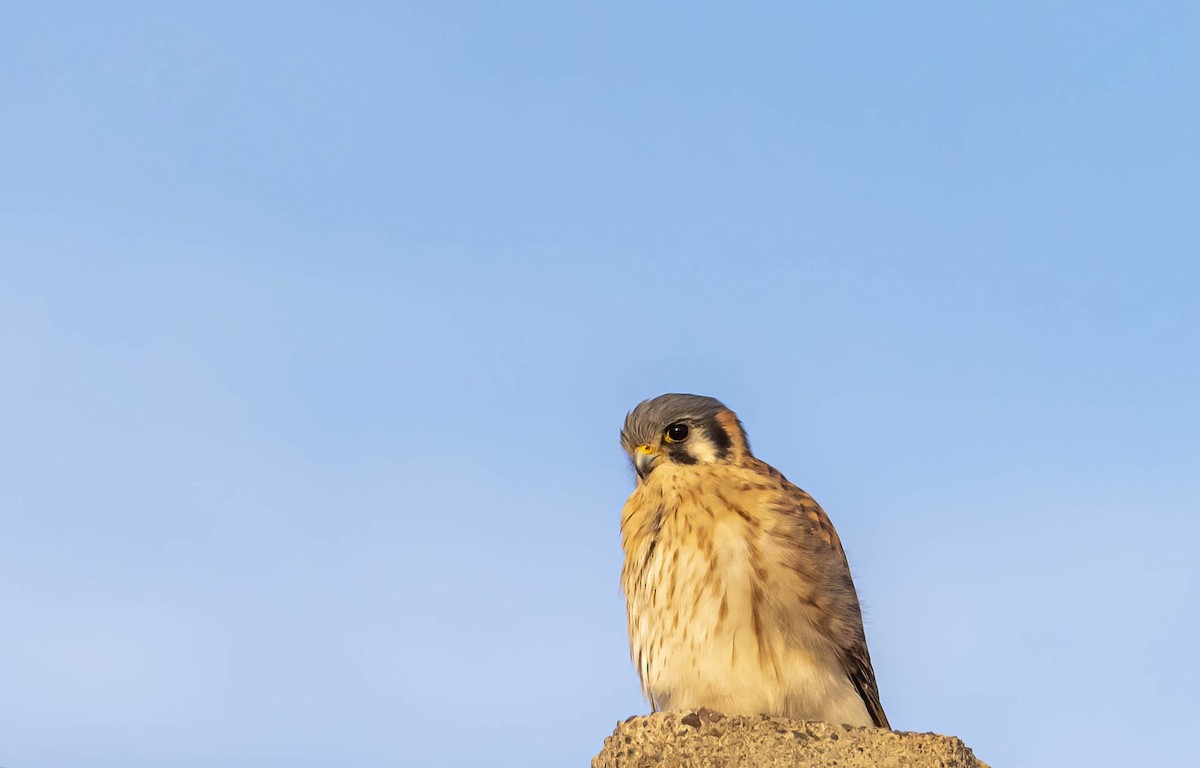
(692, 579)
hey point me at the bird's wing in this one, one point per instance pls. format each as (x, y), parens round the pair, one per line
(821, 562)
(857, 663)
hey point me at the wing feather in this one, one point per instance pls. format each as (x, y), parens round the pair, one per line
(821, 561)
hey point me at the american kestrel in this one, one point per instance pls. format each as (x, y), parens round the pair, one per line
(738, 592)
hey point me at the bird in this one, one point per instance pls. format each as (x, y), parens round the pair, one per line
(738, 593)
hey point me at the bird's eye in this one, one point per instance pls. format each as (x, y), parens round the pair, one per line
(676, 433)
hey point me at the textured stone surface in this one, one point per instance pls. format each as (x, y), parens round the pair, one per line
(707, 739)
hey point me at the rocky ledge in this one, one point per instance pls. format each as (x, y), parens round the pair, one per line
(706, 739)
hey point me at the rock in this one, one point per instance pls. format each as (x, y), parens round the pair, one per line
(706, 739)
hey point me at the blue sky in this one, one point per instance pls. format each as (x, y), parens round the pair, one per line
(319, 323)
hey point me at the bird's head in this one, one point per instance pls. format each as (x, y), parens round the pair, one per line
(682, 429)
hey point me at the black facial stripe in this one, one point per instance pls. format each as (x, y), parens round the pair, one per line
(719, 437)
(679, 453)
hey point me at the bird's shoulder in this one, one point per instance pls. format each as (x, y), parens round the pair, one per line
(776, 504)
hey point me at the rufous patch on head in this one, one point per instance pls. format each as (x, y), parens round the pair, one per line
(729, 422)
